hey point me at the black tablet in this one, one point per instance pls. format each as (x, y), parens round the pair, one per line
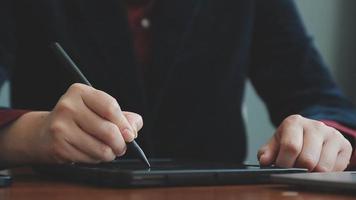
(132, 173)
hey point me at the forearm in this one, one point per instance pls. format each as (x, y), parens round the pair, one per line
(15, 139)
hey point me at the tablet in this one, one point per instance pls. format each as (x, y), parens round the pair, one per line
(163, 172)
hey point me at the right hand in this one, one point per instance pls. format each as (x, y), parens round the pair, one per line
(86, 125)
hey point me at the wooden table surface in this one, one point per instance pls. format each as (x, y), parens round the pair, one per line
(29, 186)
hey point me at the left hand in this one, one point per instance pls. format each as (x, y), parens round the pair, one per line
(306, 143)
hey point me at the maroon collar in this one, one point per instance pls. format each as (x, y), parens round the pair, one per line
(139, 12)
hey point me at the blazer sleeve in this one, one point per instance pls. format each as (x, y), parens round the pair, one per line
(7, 40)
(7, 59)
(287, 71)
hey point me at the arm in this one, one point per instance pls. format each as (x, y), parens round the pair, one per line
(291, 78)
(86, 125)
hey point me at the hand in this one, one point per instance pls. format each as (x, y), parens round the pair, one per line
(306, 143)
(86, 125)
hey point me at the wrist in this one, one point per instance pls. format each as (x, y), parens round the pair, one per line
(18, 141)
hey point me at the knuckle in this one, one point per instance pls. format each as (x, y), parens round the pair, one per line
(112, 108)
(293, 119)
(78, 88)
(56, 128)
(100, 94)
(64, 106)
(318, 125)
(291, 147)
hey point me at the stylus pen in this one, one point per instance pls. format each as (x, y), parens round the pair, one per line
(72, 67)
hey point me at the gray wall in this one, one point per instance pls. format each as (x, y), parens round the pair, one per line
(4, 95)
(331, 24)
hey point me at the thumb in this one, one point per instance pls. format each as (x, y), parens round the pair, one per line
(268, 153)
(135, 121)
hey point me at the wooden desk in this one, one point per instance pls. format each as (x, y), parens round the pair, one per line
(29, 186)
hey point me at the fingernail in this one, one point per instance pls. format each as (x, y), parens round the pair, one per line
(129, 134)
(260, 153)
(262, 157)
(137, 125)
(123, 152)
(264, 160)
(135, 130)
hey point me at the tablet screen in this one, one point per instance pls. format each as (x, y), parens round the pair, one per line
(168, 164)
(163, 172)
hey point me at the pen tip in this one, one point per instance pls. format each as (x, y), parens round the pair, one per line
(148, 164)
(140, 153)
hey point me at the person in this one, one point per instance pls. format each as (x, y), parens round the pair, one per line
(180, 65)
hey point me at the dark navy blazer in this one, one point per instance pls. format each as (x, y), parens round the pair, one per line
(203, 53)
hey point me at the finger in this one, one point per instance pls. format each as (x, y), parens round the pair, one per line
(135, 120)
(291, 143)
(311, 150)
(102, 129)
(108, 108)
(343, 158)
(66, 153)
(342, 161)
(268, 153)
(91, 146)
(329, 154)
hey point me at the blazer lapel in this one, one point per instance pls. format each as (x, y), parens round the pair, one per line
(108, 28)
(172, 23)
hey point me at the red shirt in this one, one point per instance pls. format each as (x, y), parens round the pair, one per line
(139, 21)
